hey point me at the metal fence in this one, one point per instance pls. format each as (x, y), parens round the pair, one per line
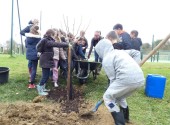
(1, 50)
(4, 50)
(160, 56)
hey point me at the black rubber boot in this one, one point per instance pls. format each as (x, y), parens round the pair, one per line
(125, 113)
(118, 118)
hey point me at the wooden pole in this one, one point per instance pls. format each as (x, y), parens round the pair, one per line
(12, 20)
(155, 50)
(69, 81)
(20, 27)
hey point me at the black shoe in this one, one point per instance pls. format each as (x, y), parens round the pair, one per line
(118, 118)
(125, 113)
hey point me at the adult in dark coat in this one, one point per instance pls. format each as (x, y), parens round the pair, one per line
(32, 39)
(45, 46)
(97, 37)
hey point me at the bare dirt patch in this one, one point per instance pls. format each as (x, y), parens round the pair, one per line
(59, 111)
(48, 114)
(59, 95)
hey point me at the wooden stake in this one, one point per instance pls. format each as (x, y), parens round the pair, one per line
(155, 50)
(69, 82)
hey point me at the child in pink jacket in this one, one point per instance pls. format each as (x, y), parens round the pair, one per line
(58, 54)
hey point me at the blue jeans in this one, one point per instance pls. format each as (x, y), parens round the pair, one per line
(97, 58)
(64, 66)
(29, 64)
(33, 70)
(45, 76)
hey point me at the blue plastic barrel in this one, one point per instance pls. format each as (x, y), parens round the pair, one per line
(155, 86)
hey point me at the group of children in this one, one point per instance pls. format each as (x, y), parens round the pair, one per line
(116, 52)
(51, 51)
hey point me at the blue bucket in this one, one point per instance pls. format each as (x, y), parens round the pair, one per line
(155, 86)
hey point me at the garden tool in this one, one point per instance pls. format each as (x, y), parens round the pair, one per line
(94, 109)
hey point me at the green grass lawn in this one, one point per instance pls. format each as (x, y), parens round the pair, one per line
(143, 110)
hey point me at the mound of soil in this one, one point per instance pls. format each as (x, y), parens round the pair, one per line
(48, 114)
(60, 95)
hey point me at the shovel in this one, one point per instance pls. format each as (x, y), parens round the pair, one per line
(95, 108)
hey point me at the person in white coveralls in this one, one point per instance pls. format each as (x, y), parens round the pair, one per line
(124, 73)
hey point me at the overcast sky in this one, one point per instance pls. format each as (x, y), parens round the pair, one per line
(147, 16)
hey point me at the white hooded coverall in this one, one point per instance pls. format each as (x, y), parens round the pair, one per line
(124, 73)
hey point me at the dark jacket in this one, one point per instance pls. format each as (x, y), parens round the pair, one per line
(93, 44)
(26, 30)
(32, 40)
(45, 46)
(78, 51)
(136, 43)
(85, 45)
(125, 42)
